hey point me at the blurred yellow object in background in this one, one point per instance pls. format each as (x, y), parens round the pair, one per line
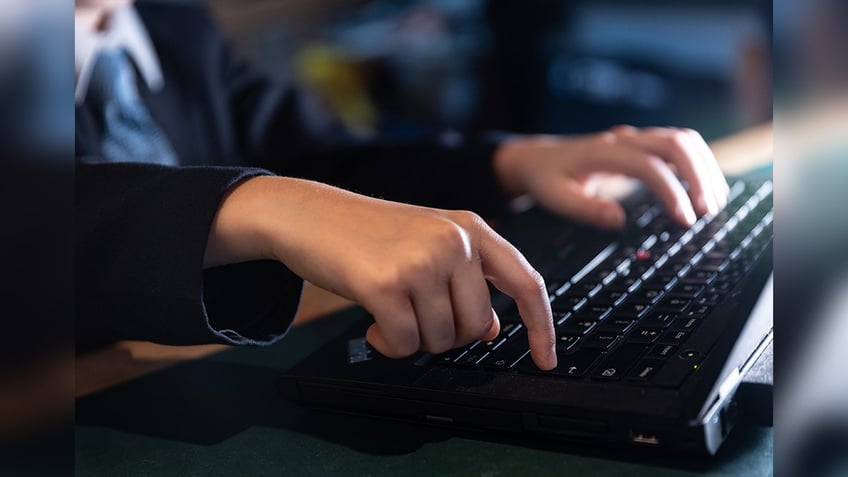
(339, 82)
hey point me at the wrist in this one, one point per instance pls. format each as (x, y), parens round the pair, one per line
(239, 231)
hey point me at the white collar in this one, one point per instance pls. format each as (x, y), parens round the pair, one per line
(125, 29)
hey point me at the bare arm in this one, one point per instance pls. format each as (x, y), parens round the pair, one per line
(421, 272)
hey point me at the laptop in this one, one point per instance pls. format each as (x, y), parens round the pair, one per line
(656, 325)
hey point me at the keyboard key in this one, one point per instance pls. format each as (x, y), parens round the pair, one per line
(562, 289)
(661, 262)
(623, 268)
(674, 250)
(595, 290)
(472, 357)
(618, 362)
(635, 286)
(714, 264)
(687, 323)
(616, 325)
(674, 337)
(639, 268)
(509, 355)
(508, 314)
(610, 298)
(585, 288)
(577, 326)
(560, 317)
(644, 335)
(631, 310)
(575, 364)
(554, 285)
(609, 278)
(721, 286)
(509, 329)
(662, 279)
(488, 345)
(710, 299)
(601, 341)
(569, 302)
(662, 351)
(450, 356)
(700, 277)
(566, 343)
(677, 265)
(647, 295)
(596, 312)
(659, 319)
(502, 362)
(715, 256)
(674, 304)
(688, 291)
(625, 284)
(604, 276)
(700, 310)
(646, 369)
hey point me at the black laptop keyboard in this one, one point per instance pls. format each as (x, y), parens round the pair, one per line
(632, 307)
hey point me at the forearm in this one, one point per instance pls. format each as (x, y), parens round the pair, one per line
(265, 218)
(236, 233)
(420, 271)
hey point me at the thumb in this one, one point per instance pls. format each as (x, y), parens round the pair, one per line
(572, 201)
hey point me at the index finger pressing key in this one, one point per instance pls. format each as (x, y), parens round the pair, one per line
(509, 271)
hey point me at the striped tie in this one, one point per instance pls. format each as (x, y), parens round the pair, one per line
(129, 132)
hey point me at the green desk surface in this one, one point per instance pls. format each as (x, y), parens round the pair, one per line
(222, 416)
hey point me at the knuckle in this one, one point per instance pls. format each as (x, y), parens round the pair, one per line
(451, 238)
(678, 141)
(474, 324)
(421, 262)
(439, 339)
(691, 133)
(655, 165)
(467, 219)
(533, 283)
(447, 336)
(478, 324)
(462, 340)
(442, 344)
(622, 129)
(452, 235)
(604, 137)
(387, 282)
(407, 344)
(484, 325)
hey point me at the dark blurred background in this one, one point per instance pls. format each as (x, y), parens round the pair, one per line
(402, 68)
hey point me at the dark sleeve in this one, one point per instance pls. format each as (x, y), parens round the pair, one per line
(446, 170)
(141, 233)
(450, 171)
